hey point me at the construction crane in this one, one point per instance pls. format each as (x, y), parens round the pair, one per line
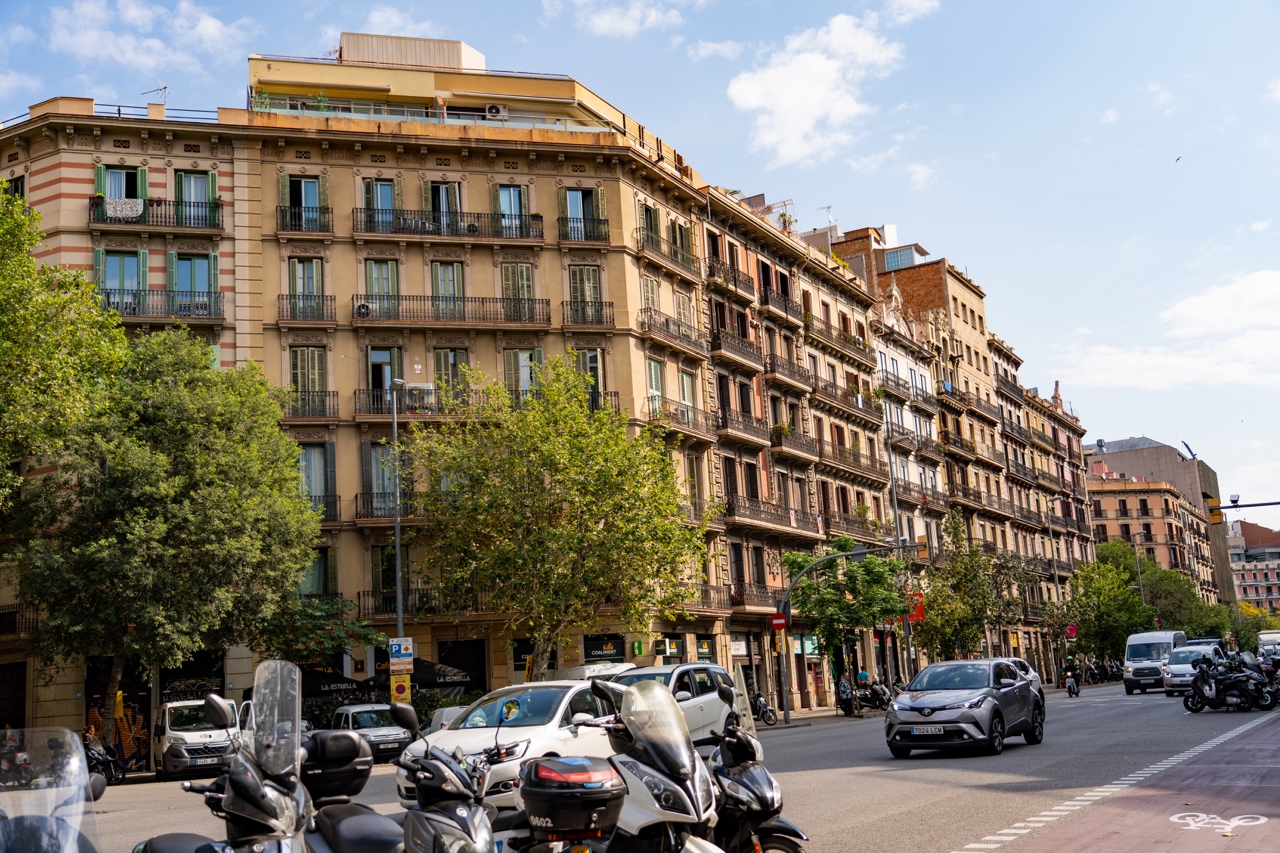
(1189, 450)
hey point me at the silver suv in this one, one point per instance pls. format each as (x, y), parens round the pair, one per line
(1180, 668)
(964, 704)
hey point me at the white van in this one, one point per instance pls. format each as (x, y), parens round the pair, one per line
(186, 742)
(1144, 657)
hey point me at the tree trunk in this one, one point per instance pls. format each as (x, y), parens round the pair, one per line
(541, 658)
(108, 711)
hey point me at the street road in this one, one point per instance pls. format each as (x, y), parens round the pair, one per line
(841, 785)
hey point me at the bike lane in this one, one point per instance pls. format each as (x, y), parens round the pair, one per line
(1224, 796)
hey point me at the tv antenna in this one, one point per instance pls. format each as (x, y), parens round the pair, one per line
(831, 220)
(162, 89)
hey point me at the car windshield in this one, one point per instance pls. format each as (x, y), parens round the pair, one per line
(628, 679)
(1187, 654)
(522, 706)
(189, 719)
(377, 719)
(1148, 651)
(961, 676)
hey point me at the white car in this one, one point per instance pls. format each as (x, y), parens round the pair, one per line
(537, 720)
(1179, 669)
(694, 686)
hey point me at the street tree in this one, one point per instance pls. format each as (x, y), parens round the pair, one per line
(550, 506)
(56, 345)
(1105, 608)
(844, 596)
(307, 630)
(173, 522)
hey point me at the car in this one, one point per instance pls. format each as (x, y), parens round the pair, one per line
(542, 718)
(1180, 668)
(694, 686)
(1029, 672)
(964, 704)
(373, 723)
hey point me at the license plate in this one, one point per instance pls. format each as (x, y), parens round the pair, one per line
(388, 745)
(200, 761)
(926, 730)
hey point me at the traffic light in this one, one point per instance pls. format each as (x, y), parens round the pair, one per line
(1215, 514)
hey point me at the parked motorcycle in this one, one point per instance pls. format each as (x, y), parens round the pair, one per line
(875, 696)
(762, 711)
(103, 759)
(55, 814)
(1218, 688)
(15, 767)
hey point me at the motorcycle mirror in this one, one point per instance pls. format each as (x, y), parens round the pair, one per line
(218, 712)
(54, 744)
(96, 788)
(725, 692)
(404, 716)
(608, 692)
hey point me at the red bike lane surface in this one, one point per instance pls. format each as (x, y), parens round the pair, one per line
(1226, 798)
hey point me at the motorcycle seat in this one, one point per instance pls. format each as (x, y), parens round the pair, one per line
(507, 821)
(176, 842)
(356, 828)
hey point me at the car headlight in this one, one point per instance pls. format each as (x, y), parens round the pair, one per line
(898, 706)
(174, 741)
(1128, 669)
(666, 795)
(969, 705)
(406, 756)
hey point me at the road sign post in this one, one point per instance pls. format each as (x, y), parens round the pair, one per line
(400, 655)
(401, 689)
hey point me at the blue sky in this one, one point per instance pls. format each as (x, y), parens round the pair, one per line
(1036, 145)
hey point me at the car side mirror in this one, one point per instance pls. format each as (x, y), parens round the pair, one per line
(683, 696)
(1008, 682)
(404, 716)
(580, 719)
(725, 692)
(218, 712)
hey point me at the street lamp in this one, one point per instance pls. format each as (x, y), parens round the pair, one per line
(396, 386)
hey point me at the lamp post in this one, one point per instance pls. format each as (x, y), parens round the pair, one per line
(396, 385)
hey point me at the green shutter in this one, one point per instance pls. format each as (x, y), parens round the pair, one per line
(213, 185)
(524, 201)
(369, 201)
(171, 270)
(142, 269)
(598, 204)
(99, 261)
(393, 278)
(330, 470)
(452, 192)
(100, 179)
(564, 202)
(293, 276)
(179, 187)
(284, 190)
(576, 284)
(142, 183)
(397, 193)
(509, 287)
(317, 276)
(426, 196)
(583, 364)
(331, 568)
(322, 191)
(397, 371)
(366, 457)
(369, 277)
(511, 363)
(440, 357)
(494, 198)
(213, 272)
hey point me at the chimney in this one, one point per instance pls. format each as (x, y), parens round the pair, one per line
(1102, 446)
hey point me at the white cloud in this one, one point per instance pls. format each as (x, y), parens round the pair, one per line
(871, 162)
(1163, 98)
(700, 50)
(390, 21)
(94, 87)
(11, 81)
(808, 92)
(187, 37)
(624, 19)
(922, 176)
(1229, 333)
(1111, 116)
(1273, 91)
(19, 34)
(898, 12)
(1260, 226)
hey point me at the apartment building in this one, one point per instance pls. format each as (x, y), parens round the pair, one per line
(1255, 564)
(1194, 478)
(1157, 519)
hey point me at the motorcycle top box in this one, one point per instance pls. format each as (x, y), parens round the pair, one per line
(338, 763)
(571, 794)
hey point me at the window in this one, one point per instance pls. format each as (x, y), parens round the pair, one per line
(591, 364)
(384, 366)
(447, 293)
(381, 199)
(122, 183)
(440, 202)
(16, 186)
(320, 576)
(308, 376)
(649, 293)
(193, 192)
(580, 205)
(654, 370)
(955, 306)
(684, 309)
(757, 564)
(448, 367)
(120, 271)
(584, 295)
(687, 395)
(383, 558)
(193, 278)
(520, 368)
(513, 205)
(517, 293)
(650, 219)
(896, 259)
(381, 278)
(736, 568)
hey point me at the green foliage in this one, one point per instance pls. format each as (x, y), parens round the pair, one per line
(559, 515)
(313, 629)
(1105, 609)
(1246, 621)
(175, 521)
(56, 345)
(970, 594)
(843, 596)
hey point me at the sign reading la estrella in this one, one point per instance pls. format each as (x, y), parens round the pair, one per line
(400, 652)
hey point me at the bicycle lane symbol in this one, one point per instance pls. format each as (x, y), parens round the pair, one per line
(1200, 820)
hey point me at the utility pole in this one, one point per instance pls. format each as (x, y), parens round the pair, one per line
(396, 385)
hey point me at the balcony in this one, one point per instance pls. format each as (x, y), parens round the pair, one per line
(936, 501)
(1019, 471)
(680, 261)
(305, 308)
(419, 601)
(1051, 481)
(895, 386)
(852, 525)
(778, 370)
(193, 308)
(966, 495)
(989, 454)
(368, 309)
(1043, 440)
(16, 619)
(596, 400)
(708, 597)
(674, 333)
(442, 224)
(1061, 567)
(1010, 388)
(311, 405)
(770, 517)
(1026, 515)
(985, 408)
(909, 493)
(682, 418)
(901, 438)
(382, 505)
(156, 213)
(781, 307)
(417, 402)
(853, 462)
(593, 314)
(793, 445)
(952, 397)
(1057, 522)
(926, 446)
(745, 429)
(574, 230)
(755, 596)
(727, 346)
(958, 445)
(866, 409)
(306, 220)
(1032, 612)
(730, 278)
(327, 506)
(1018, 433)
(844, 342)
(922, 399)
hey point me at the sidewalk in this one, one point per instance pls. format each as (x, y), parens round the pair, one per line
(820, 716)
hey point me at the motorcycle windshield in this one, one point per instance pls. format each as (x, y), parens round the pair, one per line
(47, 808)
(276, 717)
(658, 728)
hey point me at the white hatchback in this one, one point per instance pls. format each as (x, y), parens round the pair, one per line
(536, 720)
(1179, 669)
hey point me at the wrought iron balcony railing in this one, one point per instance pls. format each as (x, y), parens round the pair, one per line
(653, 244)
(156, 213)
(371, 307)
(583, 230)
(305, 307)
(731, 276)
(587, 313)
(673, 331)
(312, 404)
(178, 304)
(304, 219)
(779, 366)
(434, 223)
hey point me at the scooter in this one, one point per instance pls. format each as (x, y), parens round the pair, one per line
(103, 759)
(1216, 689)
(55, 814)
(15, 767)
(762, 711)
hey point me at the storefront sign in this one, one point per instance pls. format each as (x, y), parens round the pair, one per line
(738, 645)
(671, 647)
(706, 651)
(603, 648)
(522, 650)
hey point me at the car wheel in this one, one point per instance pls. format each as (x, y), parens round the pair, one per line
(995, 742)
(1266, 701)
(1035, 734)
(1128, 690)
(900, 751)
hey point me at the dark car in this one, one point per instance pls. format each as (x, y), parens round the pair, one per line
(975, 703)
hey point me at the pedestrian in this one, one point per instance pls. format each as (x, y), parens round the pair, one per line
(10, 737)
(846, 695)
(864, 680)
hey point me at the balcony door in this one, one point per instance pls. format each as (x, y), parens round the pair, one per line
(384, 366)
(304, 198)
(580, 213)
(379, 204)
(447, 297)
(308, 376)
(193, 191)
(192, 282)
(513, 203)
(517, 293)
(306, 288)
(382, 288)
(654, 368)
(380, 480)
(584, 294)
(311, 465)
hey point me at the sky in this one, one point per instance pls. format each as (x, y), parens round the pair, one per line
(1106, 172)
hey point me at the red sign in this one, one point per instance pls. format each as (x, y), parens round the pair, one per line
(1070, 633)
(916, 613)
(778, 621)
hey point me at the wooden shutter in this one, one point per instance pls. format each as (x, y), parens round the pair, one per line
(322, 190)
(535, 366)
(441, 359)
(366, 461)
(584, 365)
(495, 198)
(331, 570)
(509, 286)
(330, 469)
(397, 193)
(563, 196)
(370, 202)
(142, 269)
(451, 191)
(397, 371)
(524, 281)
(649, 289)
(511, 369)
(142, 183)
(100, 179)
(369, 278)
(179, 187)
(393, 278)
(213, 272)
(284, 190)
(99, 261)
(171, 270)
(597, 203)
(293, 276)
(524, 201)
(684, 309)
(426, 196)
(591, 283)
(576, 284)
(213, 185)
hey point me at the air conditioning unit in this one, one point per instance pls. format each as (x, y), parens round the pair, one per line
(364, 310)
(496, 111)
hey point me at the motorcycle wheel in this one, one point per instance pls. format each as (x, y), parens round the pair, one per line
(115, 774)
(1192, 702)
(1266, 700)
(769, 717)
(780, 844)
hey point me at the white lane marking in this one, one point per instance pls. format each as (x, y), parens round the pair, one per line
(1015, 831)
(981, 846)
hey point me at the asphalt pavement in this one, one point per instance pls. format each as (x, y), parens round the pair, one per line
(1109, 772)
